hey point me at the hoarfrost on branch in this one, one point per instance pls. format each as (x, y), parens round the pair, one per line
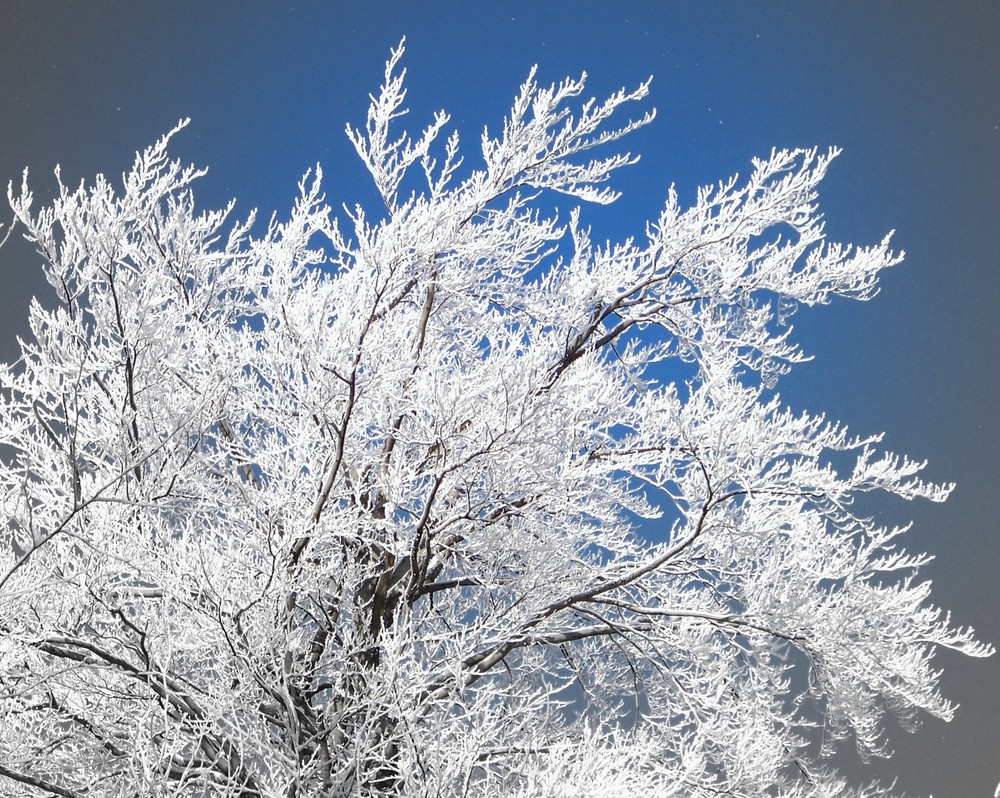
(443, 498)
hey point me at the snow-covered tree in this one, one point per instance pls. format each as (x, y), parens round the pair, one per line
(440, 498)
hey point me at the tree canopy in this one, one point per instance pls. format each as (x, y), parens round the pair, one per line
(441, 497)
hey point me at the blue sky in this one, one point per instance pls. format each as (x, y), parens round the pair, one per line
(910, 90)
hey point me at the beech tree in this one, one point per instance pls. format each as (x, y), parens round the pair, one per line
(441, 498)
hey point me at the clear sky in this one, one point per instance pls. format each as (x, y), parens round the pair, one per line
(910, 90)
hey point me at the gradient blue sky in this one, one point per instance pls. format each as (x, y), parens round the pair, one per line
(910, 90)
